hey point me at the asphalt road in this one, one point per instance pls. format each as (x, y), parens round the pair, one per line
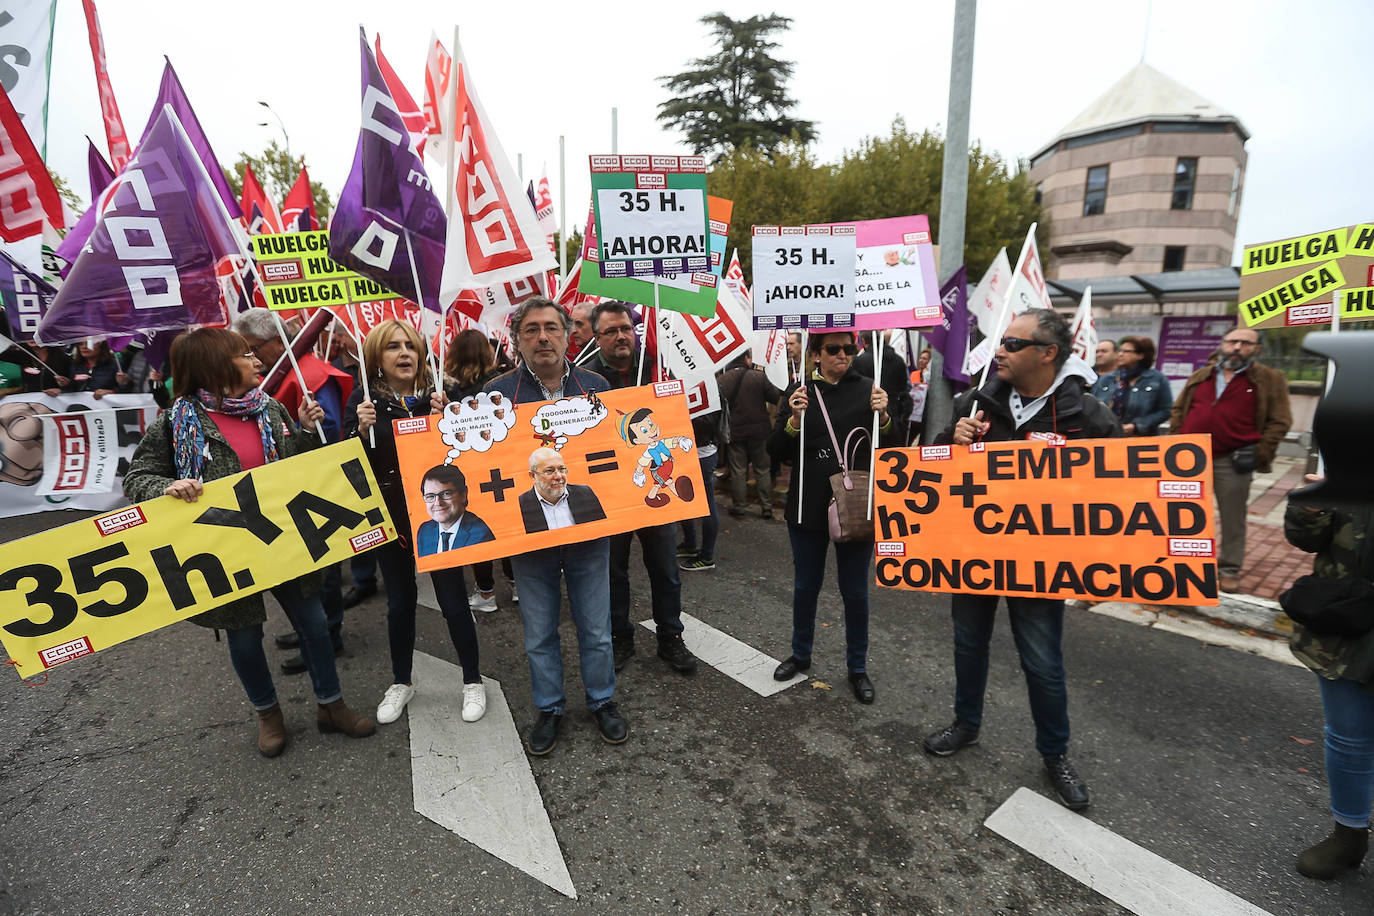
(130, 782)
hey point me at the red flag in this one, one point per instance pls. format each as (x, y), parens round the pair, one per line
(259, 213)
(415, 120)
(109, 109)
(298, 209)
(493, 236)
(27, 194)
(438, 68)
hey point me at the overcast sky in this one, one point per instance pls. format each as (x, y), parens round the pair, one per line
(1295, 73)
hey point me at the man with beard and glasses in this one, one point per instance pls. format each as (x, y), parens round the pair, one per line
(1244, 405)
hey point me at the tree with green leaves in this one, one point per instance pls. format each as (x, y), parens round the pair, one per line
(737, 96)
(277, 171)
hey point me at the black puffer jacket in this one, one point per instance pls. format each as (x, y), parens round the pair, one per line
(385, 466)
(848, 405)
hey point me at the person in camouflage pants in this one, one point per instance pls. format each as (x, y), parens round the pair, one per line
(1345, 664)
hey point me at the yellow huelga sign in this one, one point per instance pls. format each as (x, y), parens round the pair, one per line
(1101, 519)
(1277, 276)
(297, 272)
(74, 590)
(1357, 304)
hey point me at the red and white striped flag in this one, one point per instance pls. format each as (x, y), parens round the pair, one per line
(120, 150)
(438, 69)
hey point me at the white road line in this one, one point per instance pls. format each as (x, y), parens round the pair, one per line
(1116, 868)
(736, 660)
(473, 777)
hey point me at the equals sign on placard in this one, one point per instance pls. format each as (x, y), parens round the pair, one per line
(608, 459)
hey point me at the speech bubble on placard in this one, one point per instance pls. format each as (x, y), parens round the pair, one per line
(554, 423)
(477, 422)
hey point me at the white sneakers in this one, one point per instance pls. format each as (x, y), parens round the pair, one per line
(514, 594)
(474, 701)
(484, 603)
(393, 701)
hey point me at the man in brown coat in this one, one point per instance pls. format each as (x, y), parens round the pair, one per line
(1244, 405)
(748, 393)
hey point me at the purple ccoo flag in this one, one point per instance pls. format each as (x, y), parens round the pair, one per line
(388, 224)
(26, 297)
(153, 259)
(102, 176)
(950, 337)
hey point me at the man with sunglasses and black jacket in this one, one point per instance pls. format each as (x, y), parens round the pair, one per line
(1037, 392)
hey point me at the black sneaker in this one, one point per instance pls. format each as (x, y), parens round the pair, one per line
(693, 565)
(686, 553)
(293, 664)
(951, 738)
(544, 735)
(613, 728)
(288, 640)
(1073, 791)
(737, 512)
(675, 652)
(357, 594)
(624, 650)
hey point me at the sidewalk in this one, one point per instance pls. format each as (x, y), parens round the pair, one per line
(1271, 563)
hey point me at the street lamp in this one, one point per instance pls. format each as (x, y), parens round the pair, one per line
(280, 123)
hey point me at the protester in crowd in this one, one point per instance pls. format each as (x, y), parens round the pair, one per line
(619, 364)
(53, 377)
(697, 553)
(143, 375)
(1036, 389)
(95, 369)
(1345, 668)
(918, 388)
(220, 424)
(849, 400)
(894, 379)
(1135, 391)
(470, 364)
(363, 567)
(796, 366)
(746, 390)
(1105, 357)
(540, 329)
(394, 357)
(329, 387)
(1243, 404)
(582, 335)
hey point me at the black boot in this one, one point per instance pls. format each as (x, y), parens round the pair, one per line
(1344, 849)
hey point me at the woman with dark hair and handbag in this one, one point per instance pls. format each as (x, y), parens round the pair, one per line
(222, 423)
(1333, 634)
(838, 405)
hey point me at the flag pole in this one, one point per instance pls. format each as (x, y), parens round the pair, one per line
(1000, 325)
(295, 366)
(586, 354)
(362, 364)
(562, 209)
(801, 433)
(878, 348)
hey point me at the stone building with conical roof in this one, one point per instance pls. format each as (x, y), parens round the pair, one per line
(1147, 179)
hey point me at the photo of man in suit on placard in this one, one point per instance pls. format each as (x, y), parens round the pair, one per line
(451, 526)
(553, 502)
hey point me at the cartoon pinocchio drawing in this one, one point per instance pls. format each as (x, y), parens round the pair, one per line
(656, 461)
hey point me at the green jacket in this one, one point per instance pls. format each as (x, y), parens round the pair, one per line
(1340, 539)
(153, 470)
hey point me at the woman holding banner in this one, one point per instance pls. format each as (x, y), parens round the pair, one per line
(222, 423)
(394, 362)
(836, 401)
(471, 363)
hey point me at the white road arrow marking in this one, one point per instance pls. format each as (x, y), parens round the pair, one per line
(736, 660)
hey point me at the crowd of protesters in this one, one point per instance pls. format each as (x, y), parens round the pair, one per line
(219, 421)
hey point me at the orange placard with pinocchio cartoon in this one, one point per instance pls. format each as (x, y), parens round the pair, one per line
(488, 478)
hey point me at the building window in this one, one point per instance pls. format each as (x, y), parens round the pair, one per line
(1173, 257)
(1039, 193)
(1185, 175)
(1235, 192)
(1095, 193)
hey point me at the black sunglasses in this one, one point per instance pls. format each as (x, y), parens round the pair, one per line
(1017, 344)
(836, 349)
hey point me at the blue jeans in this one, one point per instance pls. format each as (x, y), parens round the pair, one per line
(331, 596)
(398, 573)
(710, 524)
(364, 570)
(1349, 712)
(538, 574)
(307, 618)
(852, 561)
(1037, 625)
(659, 546)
